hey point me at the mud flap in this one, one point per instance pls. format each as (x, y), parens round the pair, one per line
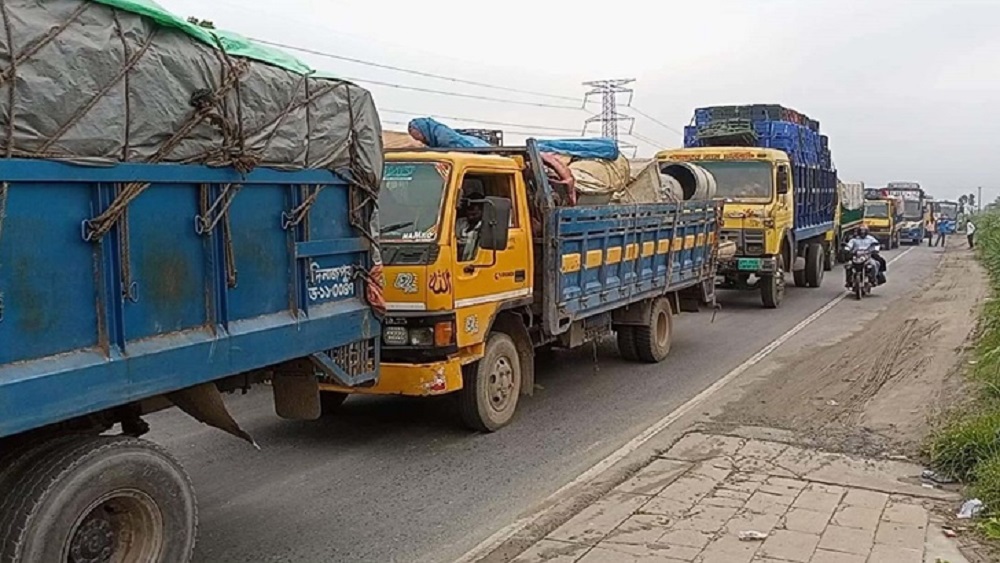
(204, 403)
(296, 390)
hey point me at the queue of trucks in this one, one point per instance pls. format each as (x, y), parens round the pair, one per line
(161, 280)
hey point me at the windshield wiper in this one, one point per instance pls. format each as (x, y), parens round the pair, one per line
(394, 226)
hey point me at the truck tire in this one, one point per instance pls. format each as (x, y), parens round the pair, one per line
(491, 386)
(626, 343)
(814, 265)
(330, 401)
(772, 289)
(830, 257)
(799, 277)
(102, 498)
(652, 339)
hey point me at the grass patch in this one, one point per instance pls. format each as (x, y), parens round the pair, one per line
(967, 445)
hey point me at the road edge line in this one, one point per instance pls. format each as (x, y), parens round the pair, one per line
(503, 534)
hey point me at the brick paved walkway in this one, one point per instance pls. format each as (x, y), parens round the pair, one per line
(692, 503)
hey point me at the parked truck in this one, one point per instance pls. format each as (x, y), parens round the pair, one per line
(165, 236)
(774, 171)
(916, 212)
(883, 215)
(465, 317)
(849, 216)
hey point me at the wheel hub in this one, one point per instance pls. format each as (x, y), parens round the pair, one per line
(501, 383)
(94, 541)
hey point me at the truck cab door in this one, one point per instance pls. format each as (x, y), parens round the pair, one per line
(485, 277)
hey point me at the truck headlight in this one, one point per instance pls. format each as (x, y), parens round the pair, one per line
(395, 335)
(421, 337)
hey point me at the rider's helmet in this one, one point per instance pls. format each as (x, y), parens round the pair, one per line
(863, 231)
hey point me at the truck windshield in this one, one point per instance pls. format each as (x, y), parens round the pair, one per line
(912, 210)
(740, 180)
(410, 200)
(877, 209)
(949, 209)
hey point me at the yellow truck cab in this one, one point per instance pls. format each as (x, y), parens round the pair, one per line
(777, 212)
(483, 265)
(882, 218)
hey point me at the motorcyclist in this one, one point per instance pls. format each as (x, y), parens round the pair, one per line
(863, 240)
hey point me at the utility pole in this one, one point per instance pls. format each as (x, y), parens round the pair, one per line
(609, 117)
(979, 200)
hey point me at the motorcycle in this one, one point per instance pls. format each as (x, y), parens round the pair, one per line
(862, 273)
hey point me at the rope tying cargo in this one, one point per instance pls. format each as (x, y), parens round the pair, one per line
(209, 218)
(37, 44)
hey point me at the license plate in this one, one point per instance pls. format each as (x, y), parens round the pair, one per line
(748, 264)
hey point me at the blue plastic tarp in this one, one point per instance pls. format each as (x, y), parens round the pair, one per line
(439, 136)
(601, 148)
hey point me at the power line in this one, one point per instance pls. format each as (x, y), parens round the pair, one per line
(656, 121)
(414, 71)
(511, 131)
(649, 141)
(484, 121)
(609, 116)
(460, 94)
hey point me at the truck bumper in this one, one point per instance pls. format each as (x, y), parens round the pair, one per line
(748, 265)
(414, 380)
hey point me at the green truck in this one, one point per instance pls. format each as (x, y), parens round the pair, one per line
(849, 216)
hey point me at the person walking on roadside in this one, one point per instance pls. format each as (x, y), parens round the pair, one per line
(941, 226)
(970, 232)
(930, 225)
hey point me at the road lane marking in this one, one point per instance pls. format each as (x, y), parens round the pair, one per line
(509, 531)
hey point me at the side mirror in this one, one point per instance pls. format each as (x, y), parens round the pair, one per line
(782, 180)
(495, 228)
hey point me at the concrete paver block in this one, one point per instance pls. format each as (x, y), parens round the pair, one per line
(697, 446)
(856, 517)
(903, 512)
(809, 521)
(901, 535)
(766, 503)
(598, 519)
(824, 556)
(888, 554)
(551, 551)
(879, 475)
(729, 549)
(661, 552)
(790, 545)
(607, 554)
(817, 500)
(752, 522)
(639, 529)
(655, 477)
(866, 499)
(847, 540)
(685, 538)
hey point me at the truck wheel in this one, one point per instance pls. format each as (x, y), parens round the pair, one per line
(829, 258)
(652, 340)
(626, 343)
(772, 289)
(799, 277)
(330, 401)
(814, 265)
(100, 499)
(491, 386)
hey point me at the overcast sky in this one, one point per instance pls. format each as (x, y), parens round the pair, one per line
(906, 90)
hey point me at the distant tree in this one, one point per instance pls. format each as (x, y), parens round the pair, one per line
(962, 202)
(201, 23)
(972, 201)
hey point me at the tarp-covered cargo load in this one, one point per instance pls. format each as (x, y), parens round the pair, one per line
(125, 80)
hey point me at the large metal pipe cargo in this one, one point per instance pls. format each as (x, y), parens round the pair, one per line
(696, 182)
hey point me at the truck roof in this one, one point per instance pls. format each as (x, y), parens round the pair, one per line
(458, 156)
(762, 153)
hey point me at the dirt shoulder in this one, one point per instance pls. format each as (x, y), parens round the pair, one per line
(876, 391)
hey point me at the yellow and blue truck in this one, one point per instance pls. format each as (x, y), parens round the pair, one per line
(883, 215)
(467, 320)
(776, 176)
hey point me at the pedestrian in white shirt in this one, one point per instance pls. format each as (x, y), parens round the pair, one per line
(970, 233)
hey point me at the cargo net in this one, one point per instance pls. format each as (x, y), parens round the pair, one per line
(123, 81)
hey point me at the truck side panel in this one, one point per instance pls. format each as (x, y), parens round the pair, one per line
(815, 200)
(154, 305)
(607, 257)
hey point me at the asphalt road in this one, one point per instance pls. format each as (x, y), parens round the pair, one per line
(395, 479)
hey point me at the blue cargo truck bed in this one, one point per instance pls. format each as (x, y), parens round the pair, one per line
(154, 305)
(609, 257)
